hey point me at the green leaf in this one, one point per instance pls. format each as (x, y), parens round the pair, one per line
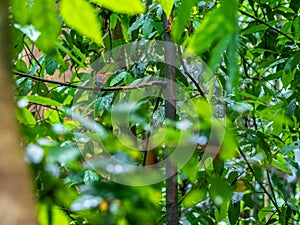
(220, 191)
(21, 66)
(130, 7)
(136, 24)
(234, 212)
(167, 6)
(264, 212)
(113, 19)
(58, 216)
(125, 26)
(51, 65)
(81, 16)
(63, 154)
(103, 103)
(90, 177)
(118, 78)
(25, 117)
(288, 73)
(19, 9)
(43, 100)
(242, 107)
(290, 109)
(193, 197)
(281, 165)
(181, 19)
(147, 27)
(219, 23)
(45, 20)
(255, 28)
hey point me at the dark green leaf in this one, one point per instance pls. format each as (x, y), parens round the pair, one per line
(51, 65)
(234, 212)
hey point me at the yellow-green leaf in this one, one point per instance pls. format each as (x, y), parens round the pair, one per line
(130, 7)
(19, 9)
(167, 6)
(81, 16)
(43, 100)
(25, 117)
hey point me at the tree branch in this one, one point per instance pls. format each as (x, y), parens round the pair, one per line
(189, 75)
(118, 88)
(268, 25)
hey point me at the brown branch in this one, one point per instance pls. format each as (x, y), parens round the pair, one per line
(118, 88)
(172, 214)
(268, 25)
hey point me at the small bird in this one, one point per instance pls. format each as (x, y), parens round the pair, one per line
(100, 79)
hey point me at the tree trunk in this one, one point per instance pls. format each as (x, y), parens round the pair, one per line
(16, 196)
(172, 216)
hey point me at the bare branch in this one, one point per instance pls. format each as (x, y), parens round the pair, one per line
(118, 88)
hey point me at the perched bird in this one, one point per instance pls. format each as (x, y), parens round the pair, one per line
(100, 79)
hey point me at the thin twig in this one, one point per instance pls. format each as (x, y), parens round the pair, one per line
(271, 186)
(260, 183)
(268, 25)
(118, 88)
(33, 56)
(188, 74)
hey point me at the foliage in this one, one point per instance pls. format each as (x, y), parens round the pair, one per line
(252, 47)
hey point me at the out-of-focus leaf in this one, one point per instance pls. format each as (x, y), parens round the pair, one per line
(20, 11)
(63, 154)
(31, 32)
(181, 19)
(58, 216)
(193, 197)
(34, 153)
(130, 7)
(86, 202)
(220, 191)
(45, 20)
(167, 6)
(81, 16)
(219, 23)
(295, 5)
(290, 109)
(242, 107)
(234, 212)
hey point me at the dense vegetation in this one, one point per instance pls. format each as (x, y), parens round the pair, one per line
(65, 110)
